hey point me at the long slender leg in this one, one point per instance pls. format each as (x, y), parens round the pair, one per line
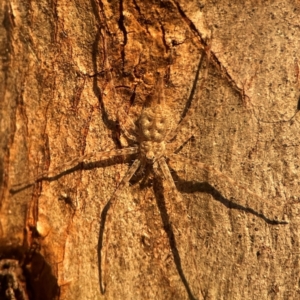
(169, 228)
(107, 216)
(126, 123)
(74, 162)
(178, 142)
(168, 177)
(173, 159)
(191, 110)
(100, 156)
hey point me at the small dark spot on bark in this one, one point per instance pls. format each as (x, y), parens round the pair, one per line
(298, 105)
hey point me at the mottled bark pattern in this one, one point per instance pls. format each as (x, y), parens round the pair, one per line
(75, 78)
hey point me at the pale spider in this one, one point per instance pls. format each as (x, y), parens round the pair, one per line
(156, 141)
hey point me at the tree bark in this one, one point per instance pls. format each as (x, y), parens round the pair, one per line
(60, 100)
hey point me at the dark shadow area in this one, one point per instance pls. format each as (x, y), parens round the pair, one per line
(110, 124)
(30, 274)
(81, 166)
(159, 196)
(96, 60)
(191, 187)
(193, 90)
(40, 280)
(137, 177)
(103, 40)
(12, 281)
(127, 92)
(100, 245)
(184, 187)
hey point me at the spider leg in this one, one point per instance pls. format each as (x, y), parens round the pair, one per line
(156, 169)
(126, 124)
(104, 155)
(168, 177)
(106, 217)
(100, 156)
(179, 142)
(190, 111)
(263, 204)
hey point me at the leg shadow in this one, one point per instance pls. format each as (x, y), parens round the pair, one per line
(159, 196)
(191, 187)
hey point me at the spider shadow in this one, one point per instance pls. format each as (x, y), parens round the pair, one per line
(160, 200)
(190, 187)
(138, 178)
(110, 124)
(81, 166)
(159, 196)
(184, 186)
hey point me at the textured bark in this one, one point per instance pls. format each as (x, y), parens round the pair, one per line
(220, 242)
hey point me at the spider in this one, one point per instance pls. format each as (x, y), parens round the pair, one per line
(155, 141)
(12, 286)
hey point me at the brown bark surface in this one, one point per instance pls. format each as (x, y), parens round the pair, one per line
(57, 103)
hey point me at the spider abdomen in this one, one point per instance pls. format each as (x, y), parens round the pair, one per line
(153, 124)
